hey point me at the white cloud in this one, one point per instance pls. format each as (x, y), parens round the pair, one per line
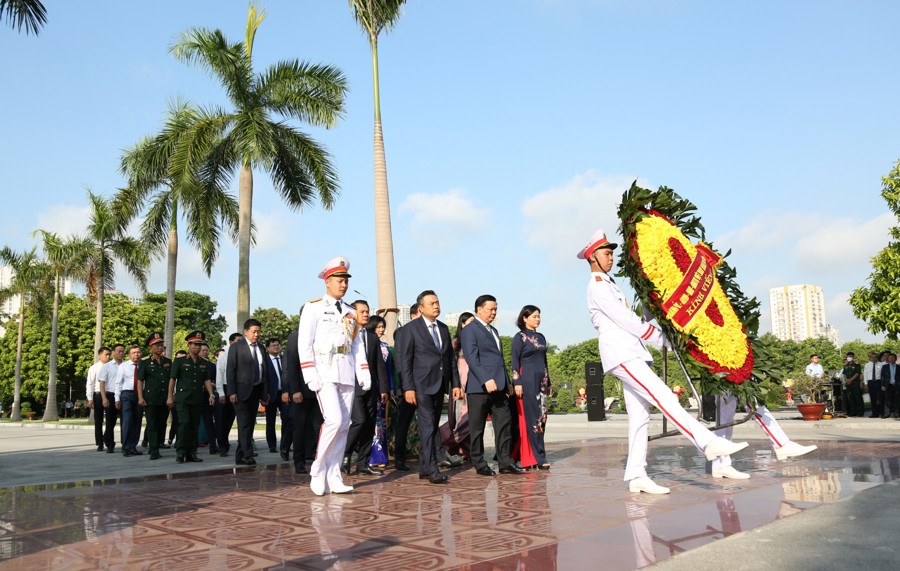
(64, 219)
(272, 230)
(560, 220)
(438, 217)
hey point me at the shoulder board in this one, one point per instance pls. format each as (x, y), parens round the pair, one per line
(314, 300)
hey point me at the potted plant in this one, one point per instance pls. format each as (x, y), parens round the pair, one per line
(26, 410)
(808, 391)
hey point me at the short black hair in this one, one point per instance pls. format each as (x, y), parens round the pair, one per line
(851, 354)
(252, 322)
(813, 355)
(483, 299)
(181, 353)
(414, 309)
(234, 336)
(526, 312)
(358, 302)
(117, 345)
(104, 348)
(271, 340)
(423, 295)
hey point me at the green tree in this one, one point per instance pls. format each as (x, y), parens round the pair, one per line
(249, 137)
(878, 303)
(30, 283)
(205, 206)
(376, 16)
(28, 14)
(110, 244)
(67, 259)
(275, 323)
(192, 311)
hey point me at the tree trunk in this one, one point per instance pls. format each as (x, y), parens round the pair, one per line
(245, 216)
(171, 269)
(98, 329)
(50, 411)
(384, 241)
(17, 394)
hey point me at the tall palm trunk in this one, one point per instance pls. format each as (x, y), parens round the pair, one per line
(50, 411)
(384, 242)
(17, 394)
(245, 211)
(171, 269)
(98, 330)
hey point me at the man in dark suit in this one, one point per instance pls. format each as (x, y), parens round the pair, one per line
(245, 385)
(225, 426)
(487, 388)
(890, 380)
(279, 401)
(429, 371)
(405, 411)
(365, 402)
(306, 418)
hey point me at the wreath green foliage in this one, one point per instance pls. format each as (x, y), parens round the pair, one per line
(636, 203)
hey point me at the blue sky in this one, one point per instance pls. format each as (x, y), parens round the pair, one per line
(512, 127)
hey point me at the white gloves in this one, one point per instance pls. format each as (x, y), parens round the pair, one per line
(314, 386)
(366, 384)
(664, 341)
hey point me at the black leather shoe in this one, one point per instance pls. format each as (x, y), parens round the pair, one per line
(164, 446)
(111, 449)
(179, 459)
(223, 453)
(401, 465)
(248, 462)
(369, 471)
(100, 448)
(438, 478)
(345, 466)
(136, 452)
(512, 470)
(155, 456)
(193, 458)
(485, 471)
(272, 450)
(213, 451)
(300, 470)
(286, 455)
(127, 453)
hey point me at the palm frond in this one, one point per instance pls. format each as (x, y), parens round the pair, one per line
(375, 16)
(226, 62)
(311, 93)
(301, 169)
(133, 256)
(28, 14)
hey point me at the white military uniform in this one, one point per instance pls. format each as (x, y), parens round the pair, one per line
(621, 340)
(332, 359)
(727, 405)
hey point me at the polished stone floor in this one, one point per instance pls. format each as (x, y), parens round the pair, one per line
(579, 515)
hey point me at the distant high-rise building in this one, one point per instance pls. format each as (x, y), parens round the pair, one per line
(798, 313)
(403, 318)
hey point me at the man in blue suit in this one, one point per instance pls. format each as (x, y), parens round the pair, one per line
(279, 401)
(890, 382)
(487, 388)
(428, 370)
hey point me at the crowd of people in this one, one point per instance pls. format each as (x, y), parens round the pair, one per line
(880, 377)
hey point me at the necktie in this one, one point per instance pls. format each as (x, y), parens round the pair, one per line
(496, 336)
(337, 304)
(434, 336)
(255, 362)
(278, 366)
(134, 386)
(365, 337)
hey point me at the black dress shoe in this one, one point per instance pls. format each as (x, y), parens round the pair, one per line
(111, 449)
(401, 465)
(213, 451)
(369, 471)
(100, 448)
(512, 470)
(286, 455)
(179, 459)
(223, 453)
(193, 458)
(272, 450)
(247, 462)
(485, 471)
(438, 478)
(136, 452)
(164, 446)
(300, 470)
(127, 453)
(155, 456)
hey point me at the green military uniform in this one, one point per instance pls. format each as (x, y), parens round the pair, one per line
(154, 376)
(854, 400)
(190, 377)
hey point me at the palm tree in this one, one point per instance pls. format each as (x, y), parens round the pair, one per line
(28, 14)
(67, 258)
(109, 243)
(249, 137)
(30, 284)
(205, 207)
(375, 16)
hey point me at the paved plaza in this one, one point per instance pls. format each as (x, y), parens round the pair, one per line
(65, 506)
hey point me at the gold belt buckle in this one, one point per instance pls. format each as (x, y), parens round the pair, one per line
(342, 350)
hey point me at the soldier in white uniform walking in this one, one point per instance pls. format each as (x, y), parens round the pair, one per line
(332, 359)
(621, 337)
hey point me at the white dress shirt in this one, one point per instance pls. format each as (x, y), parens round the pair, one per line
(126, 378)
(92, 385)
(815, 370)
(221, 366)
(107, 374)
(277, 366)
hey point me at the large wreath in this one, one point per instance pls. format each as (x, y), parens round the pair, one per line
(690, 290)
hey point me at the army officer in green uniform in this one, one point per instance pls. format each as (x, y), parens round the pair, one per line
(189, 375)
(154, 373)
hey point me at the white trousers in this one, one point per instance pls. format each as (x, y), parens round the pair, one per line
(335, 402)
(642, 388)
(727, 406)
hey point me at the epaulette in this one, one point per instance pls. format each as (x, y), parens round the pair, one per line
(314, 300)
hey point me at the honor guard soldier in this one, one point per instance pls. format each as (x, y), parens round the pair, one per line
(621, 337)
(154, 373)
(332, 360)
(189, 375)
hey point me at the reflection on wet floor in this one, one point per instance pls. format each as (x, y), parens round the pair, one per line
(577, 516)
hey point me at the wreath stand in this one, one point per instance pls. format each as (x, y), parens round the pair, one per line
(690, 382)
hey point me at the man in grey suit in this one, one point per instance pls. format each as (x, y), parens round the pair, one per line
(428, 371)
(486, 390)
(245, 386)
